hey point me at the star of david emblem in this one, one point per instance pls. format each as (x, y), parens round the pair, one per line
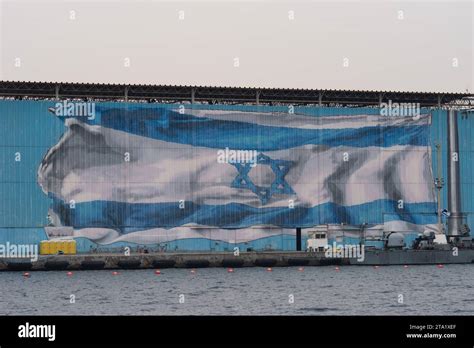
(279, 186)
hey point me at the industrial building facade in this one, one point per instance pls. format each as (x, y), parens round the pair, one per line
(187, 176)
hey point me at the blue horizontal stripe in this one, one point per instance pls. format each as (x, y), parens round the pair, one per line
(170, 126)
(130, 217)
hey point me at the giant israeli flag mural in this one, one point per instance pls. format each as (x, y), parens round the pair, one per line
(155, 175)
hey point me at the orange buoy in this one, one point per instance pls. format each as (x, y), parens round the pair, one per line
(440, 266)
(406, 266)
(26, 274)
(193, 271)
(269, 269)
(157, 272)
(337, 268)
(376, 266)
(69, 274)
(301, 269)
(115, 273)
(230, 270)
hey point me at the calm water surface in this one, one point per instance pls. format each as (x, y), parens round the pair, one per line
(356, 290)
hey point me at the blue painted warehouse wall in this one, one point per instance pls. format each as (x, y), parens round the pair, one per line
(29, 130)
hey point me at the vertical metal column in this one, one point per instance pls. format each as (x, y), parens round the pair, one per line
(439, 182)
(298, 239)
(454, 189)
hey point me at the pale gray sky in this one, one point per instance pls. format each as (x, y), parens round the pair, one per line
(373, 45)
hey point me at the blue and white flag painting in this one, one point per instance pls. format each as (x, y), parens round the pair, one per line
(153, 174)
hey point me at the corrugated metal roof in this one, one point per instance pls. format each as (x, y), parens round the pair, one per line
(464, 93)
(35, 89)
